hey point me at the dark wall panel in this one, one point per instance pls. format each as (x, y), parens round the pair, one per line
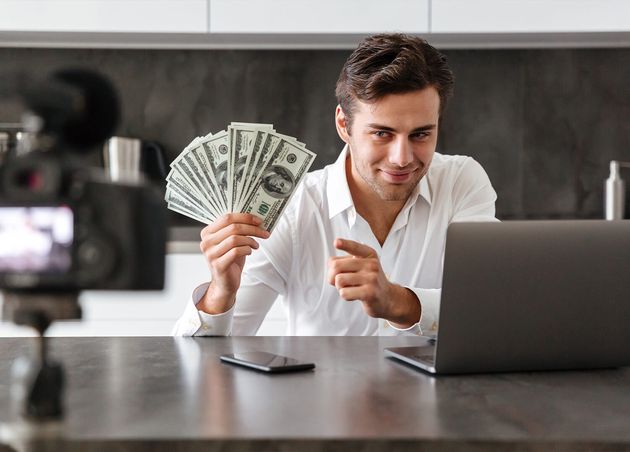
(544, 123)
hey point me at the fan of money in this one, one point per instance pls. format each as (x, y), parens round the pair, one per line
(247, 168)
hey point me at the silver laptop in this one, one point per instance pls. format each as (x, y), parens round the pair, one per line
(531, 295)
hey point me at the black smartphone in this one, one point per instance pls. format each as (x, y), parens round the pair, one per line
(266, 362)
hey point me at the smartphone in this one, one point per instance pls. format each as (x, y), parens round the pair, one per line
(266, 362)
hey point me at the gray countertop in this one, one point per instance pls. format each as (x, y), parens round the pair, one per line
(183, 239)
(162, 393)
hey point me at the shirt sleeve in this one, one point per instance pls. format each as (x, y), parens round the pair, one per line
(197, 323)
(473, 196)
(473, 200)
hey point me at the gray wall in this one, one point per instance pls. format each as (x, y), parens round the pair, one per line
(544, 123)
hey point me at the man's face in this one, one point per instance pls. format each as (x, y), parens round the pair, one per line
(392, 142)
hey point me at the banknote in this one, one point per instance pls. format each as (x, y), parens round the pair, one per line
(248, 167)
(284, 169)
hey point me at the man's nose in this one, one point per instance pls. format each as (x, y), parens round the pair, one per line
(401, 153)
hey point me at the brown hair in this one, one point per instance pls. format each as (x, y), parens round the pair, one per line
(392, 64)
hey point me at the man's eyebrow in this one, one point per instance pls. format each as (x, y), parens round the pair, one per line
(391, 129)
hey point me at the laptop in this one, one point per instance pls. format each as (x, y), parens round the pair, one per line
(530, 295)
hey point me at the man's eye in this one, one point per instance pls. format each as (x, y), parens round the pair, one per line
(420, 135)
(380, 133)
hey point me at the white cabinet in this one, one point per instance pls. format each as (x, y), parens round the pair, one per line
(529, 16)
(131, 16)
(318, 16)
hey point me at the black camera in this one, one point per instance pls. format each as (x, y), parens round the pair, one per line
(63, 225)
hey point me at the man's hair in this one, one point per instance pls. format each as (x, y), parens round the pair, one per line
(392, 64)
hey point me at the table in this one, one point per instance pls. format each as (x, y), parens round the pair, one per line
(173, 394)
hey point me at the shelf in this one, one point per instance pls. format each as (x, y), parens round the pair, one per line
(302, 41)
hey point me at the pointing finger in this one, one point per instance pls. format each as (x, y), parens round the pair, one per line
(354, 248)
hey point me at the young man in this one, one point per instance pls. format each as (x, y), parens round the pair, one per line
(359, 249)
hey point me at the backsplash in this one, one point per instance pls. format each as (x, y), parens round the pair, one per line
(543, 123)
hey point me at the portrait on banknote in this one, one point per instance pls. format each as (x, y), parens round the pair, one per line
(278, 181)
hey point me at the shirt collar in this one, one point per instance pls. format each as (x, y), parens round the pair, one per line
(425, 190)
(338, 193)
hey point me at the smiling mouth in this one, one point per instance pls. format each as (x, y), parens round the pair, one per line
(398, 176)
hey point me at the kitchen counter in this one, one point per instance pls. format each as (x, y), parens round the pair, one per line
(159, 394)
(183, 239)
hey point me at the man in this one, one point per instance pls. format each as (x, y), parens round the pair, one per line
(359, 249)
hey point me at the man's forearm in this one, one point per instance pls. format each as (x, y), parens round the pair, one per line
(406, 310)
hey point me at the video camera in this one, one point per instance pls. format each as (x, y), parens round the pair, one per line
(65, 226)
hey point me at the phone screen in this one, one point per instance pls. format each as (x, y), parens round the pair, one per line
(266, 361)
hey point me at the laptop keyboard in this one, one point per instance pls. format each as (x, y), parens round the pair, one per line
(425, 358)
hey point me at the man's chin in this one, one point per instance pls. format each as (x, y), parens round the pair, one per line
(395, 192)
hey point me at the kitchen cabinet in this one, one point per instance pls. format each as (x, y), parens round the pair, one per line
(318, 16)
(130, 16)
(529, 16)
(311, 24)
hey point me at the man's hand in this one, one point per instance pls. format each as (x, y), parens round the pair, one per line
(226, 243)
(359, 276)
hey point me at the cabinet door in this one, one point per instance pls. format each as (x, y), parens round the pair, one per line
(318, 16)
(523, 16)
(149, 16)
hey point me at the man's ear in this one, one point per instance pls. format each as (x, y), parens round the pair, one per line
(341, 124)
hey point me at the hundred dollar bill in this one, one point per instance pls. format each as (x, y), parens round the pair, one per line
(260, 157)
(286, 166)
(244, 174)
(200, 157)
(183, 176)
(197, 173)
(240, 142)
(175, 177)
(181, 206)
(216, 150)
(176, 208)
(257, 131)
(175, 191)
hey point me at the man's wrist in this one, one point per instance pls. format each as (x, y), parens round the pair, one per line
(406, 309)
(214, 302)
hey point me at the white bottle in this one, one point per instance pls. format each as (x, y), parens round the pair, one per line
(614, 193)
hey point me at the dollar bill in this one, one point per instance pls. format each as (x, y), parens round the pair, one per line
(240, 143)
(261, 155)
(184, 176)
(256, 134)
(216, 150)
(185, 208)
(176, 191)
(286, 166)
(247, 168)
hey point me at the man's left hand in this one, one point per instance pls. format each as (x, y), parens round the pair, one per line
(359, 276)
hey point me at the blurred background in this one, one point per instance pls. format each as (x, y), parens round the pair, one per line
(542, 93)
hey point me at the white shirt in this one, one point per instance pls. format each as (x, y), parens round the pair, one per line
(293, 261)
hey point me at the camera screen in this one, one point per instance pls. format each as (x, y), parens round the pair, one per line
(36, 239)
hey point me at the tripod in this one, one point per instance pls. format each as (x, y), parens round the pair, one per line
(38, 381)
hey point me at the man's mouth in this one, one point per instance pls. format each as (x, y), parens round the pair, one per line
(398, 177)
